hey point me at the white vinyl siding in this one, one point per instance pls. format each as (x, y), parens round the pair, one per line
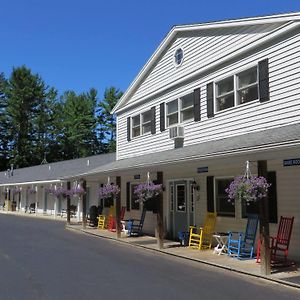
(199, 51)
(282, 109)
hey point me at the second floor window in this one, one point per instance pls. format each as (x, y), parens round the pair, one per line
(180, 110)
(237, 89)
(141, 123)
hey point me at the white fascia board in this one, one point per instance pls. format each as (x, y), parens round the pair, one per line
(147, 66)
(275, 33)
(281, 18)
(31, 182)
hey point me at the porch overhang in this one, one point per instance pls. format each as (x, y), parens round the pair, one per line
(279, 138)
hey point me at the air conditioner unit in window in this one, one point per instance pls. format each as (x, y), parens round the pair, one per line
(176, 132)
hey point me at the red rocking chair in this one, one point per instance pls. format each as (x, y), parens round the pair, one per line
(111, 226)
(279, 245)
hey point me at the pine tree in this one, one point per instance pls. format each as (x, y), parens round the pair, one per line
(106, 120)
(4, 139)
(25, 92)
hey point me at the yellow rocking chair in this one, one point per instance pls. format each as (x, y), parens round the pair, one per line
(202, 239)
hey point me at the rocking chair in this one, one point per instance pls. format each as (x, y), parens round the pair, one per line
(202, 239)
(241, 245)
(279, 245)
(111, 226)
(135, 227)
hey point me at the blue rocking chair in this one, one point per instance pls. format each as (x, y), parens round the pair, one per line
(135, 227)
(241, 245)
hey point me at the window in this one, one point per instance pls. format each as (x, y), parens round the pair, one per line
(133, 198)
(180, 110)
(178, 57)
(141, 123)
(146, 122)
(136, 126)
(237, 89)
(171, 197)
(247, 89)
(224, 208)
(181, 198)
(225, 94)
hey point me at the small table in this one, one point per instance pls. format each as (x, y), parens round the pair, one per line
(221, 238)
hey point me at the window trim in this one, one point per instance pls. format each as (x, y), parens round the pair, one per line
(140, 125)
(235, 87)
(179, 110)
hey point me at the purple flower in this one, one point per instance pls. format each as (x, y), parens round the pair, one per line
(146, 191)
(31, 191)
(59, 191)
(16, 191)
(108, 191)
(251, 189)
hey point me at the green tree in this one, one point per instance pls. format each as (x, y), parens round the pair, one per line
(25, 93)
(79, 124)
(107, 121)
(4, 138)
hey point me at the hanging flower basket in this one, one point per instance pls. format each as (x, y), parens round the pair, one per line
(109, 191)
(31, 191)
(57, 192)
(147, 191)
(247, 189)
(16, 191)
(77, 191)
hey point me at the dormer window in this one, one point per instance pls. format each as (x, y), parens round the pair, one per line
(178, 57)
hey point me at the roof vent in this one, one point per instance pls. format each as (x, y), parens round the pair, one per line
(88, 162)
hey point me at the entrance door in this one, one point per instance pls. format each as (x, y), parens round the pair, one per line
(181, 210)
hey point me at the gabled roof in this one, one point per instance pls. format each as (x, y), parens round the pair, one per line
(288, 21)
(52, 172)
(283, 137)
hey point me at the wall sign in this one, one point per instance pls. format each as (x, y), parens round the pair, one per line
(137, 176)
(202, 170)
(291, 162)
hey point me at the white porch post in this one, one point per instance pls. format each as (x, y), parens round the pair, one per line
(78, 209)
(36, 199)
(55, 203)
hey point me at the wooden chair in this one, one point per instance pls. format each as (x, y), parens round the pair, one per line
(103, 219)
(241, 245)
(112, 220)
(279, 244)
(135, 226)
(202, 239)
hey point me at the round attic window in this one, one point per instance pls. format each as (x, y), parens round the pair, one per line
(178, 57)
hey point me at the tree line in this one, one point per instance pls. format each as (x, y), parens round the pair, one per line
(37, 124)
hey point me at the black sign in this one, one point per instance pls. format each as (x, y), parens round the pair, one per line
(138, 176)
(291, 162)
(202, 170)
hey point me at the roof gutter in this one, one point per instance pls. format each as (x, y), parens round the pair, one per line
(31, 182)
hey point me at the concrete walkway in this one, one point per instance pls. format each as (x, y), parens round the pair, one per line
(287, 276)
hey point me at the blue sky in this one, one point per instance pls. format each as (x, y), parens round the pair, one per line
(76, 45)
